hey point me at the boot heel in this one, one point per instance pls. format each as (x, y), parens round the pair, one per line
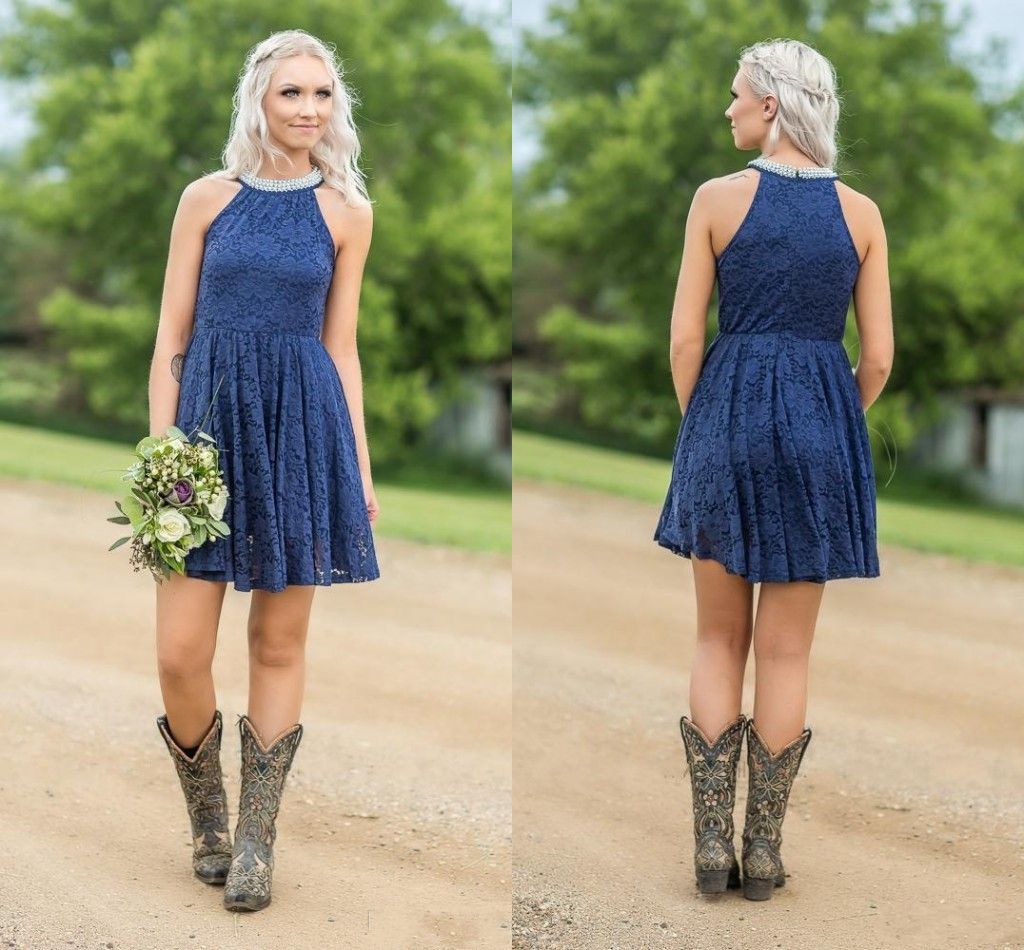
(712, 882)
(757, 890)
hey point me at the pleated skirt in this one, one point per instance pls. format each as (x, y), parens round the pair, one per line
(274, 402)
(772, 474)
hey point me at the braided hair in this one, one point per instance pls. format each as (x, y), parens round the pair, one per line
(804, 85)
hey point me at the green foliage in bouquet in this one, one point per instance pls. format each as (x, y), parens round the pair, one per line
(176, 501)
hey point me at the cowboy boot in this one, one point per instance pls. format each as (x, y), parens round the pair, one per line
(206, 800)
(771, 778)
(263, 775)
(713, 785)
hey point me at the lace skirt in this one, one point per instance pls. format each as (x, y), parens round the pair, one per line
(772, 473)
(297, 512)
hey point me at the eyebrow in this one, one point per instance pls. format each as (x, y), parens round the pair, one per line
(326, 85)
(733, 91)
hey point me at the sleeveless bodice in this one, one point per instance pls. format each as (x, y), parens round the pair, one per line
(792, 264)
(268, 264)
(772, 471)
(258, 378)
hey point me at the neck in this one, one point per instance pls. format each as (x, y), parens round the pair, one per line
(301, 165)
(789, 156)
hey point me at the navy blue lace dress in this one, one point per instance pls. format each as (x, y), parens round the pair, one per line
(258, 379)
(772, 473)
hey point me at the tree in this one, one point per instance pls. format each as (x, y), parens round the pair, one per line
(630, 96)
(136, 102)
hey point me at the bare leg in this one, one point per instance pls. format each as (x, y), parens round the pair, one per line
(724, 624)
(278, 624)
(187, 616)
(783, 631)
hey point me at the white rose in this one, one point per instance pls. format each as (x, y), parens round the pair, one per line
(218, 505)
(171, 525)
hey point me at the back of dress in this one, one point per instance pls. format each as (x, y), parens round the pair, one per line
(792, 263)
(772, 474)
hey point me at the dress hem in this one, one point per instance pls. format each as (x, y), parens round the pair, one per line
(245, 587)
(754, 578)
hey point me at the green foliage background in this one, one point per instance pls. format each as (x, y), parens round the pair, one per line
(630, 95)
(133, 100)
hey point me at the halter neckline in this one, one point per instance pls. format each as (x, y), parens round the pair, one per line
(791, 171)
(309, 180)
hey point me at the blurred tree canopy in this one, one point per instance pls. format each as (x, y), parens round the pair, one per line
(134, 101)
(629, 96)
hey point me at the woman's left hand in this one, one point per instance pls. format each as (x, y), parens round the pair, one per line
(372, 507)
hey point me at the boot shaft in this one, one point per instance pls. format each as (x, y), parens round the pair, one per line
(263, 775)
(713, 775)
(771, 780)
(200, 775)
(205, 799)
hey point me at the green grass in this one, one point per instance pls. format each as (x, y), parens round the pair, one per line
(547, 459)
(914, 517)
(459, 514)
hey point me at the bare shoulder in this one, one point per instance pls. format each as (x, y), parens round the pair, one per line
(728, 187)
(725, 198)
(203, 199)
(347, 223)
(858, 205)
(357, 217)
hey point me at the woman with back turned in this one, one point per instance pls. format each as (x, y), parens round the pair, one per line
(772, 479)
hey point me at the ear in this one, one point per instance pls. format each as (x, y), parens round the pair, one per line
(770, 107)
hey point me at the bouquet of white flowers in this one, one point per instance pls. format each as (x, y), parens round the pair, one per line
(176, 501)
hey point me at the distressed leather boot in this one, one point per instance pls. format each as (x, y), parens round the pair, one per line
(205, 799)
(263, 775)
(771, 779)
(713, 785)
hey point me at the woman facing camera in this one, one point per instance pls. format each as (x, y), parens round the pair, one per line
(257, 345)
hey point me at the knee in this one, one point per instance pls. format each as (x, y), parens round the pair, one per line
(727, 637)
(781, 646)
(276, 648)
(178, 660)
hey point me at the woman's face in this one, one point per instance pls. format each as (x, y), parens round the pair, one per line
(298, 102)
(748, 114)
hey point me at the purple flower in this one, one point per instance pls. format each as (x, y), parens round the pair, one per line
(181, 493)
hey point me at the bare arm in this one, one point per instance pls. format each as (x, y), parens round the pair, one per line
(177, 307)
(339, 332)
(873, 307)
(693, 294)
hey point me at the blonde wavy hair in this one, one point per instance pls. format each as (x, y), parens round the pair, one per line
(804, 85)
(337, 151)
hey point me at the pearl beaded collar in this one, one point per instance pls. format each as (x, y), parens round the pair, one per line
(308, 180)
(791, 171)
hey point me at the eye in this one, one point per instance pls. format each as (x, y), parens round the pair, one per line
(323, 92)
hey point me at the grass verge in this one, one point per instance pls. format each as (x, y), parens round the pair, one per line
(913, 513)
(459, 514)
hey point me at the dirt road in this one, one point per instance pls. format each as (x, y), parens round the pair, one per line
(906, 823)
(395, 828)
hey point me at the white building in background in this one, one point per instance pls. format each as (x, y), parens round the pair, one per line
(979, 437)
(478, 424)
